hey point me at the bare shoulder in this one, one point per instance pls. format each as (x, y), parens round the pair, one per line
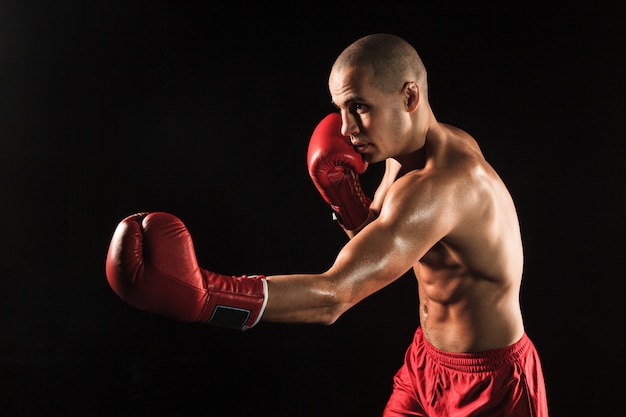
(464, 137)
(455, 197)
(454, 175)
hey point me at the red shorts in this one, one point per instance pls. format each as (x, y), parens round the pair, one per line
(500, 382)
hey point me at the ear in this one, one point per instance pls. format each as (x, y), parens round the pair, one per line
(411, 94)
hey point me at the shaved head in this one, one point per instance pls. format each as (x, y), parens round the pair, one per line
(393, 61)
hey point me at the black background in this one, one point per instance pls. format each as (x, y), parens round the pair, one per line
(204, 110)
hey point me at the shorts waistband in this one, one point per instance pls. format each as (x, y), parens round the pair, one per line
(480, 361)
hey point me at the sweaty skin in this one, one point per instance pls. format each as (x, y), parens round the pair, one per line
(440, 210)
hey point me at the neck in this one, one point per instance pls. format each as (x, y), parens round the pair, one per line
(412, 161)
(415, 158)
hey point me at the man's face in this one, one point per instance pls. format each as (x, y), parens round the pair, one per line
(369, 116)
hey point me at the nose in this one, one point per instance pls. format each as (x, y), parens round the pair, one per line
(349, 126)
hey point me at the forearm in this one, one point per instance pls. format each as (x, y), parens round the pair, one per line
(392, 168)
(303, 298)
(372, 215)
(365, 264)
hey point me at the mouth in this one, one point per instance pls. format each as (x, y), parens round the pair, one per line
(361, 148)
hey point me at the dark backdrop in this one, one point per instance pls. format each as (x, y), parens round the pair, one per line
(204, 110)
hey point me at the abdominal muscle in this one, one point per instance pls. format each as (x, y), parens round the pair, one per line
(461, 313)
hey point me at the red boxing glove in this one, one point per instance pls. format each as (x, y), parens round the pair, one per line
(334, 166)
(151, 264)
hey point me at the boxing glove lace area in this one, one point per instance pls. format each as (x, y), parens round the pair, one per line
(334, 165)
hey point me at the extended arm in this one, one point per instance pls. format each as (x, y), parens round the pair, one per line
(408, 226)
(151, 264)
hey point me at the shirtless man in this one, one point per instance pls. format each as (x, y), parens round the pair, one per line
(440, 210)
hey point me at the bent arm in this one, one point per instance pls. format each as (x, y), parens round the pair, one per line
(392, 168)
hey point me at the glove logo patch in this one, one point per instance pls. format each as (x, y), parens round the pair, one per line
(226, 316)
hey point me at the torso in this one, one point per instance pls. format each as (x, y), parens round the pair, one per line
(469, 281)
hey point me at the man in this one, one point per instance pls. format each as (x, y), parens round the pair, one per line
(440, 210)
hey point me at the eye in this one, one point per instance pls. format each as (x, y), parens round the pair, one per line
(359, 108)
